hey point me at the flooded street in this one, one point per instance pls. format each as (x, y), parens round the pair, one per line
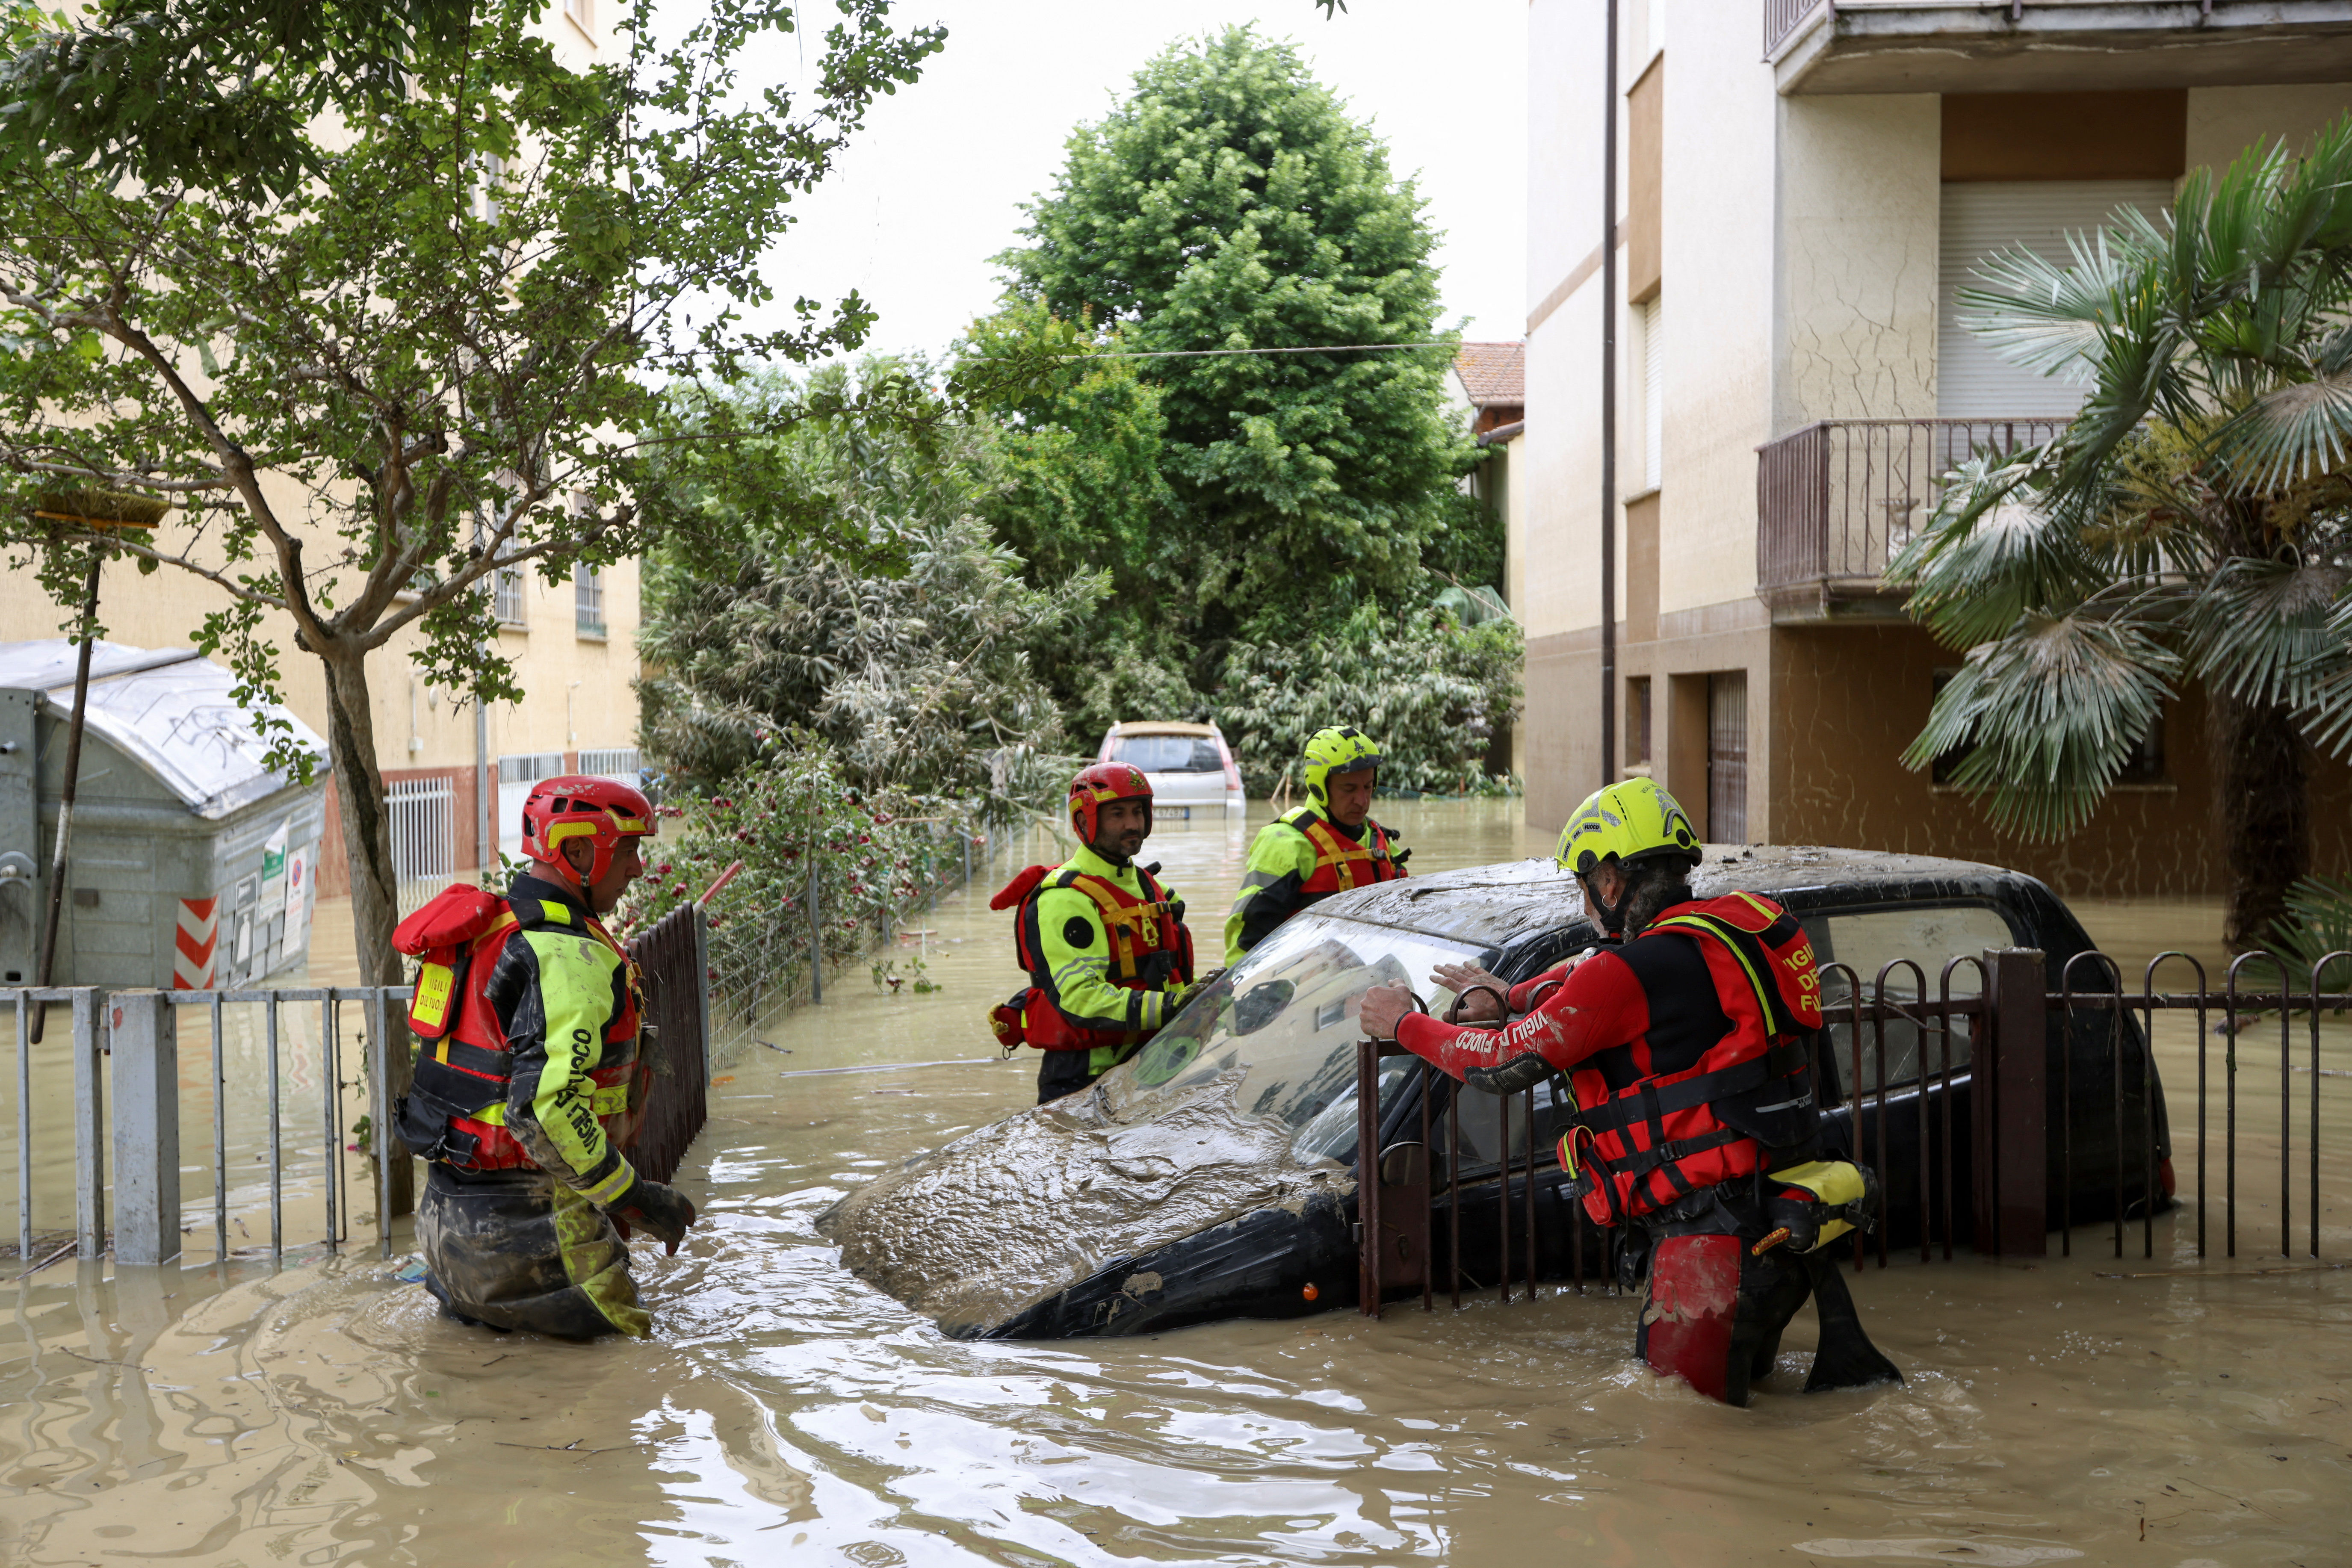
(2081, 1409)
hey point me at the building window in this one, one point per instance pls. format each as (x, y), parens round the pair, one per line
(506, 595)
(1637, 724)
(588, 598)
(493, 180)
(1727, 757)
(1654, 392)
(583, 16)
(2146, 763)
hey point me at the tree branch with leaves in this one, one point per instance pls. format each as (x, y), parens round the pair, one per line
(430, 345)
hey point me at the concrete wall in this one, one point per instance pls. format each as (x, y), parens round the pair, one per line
(2223, 122)
(1851, 698)
(1860, 204)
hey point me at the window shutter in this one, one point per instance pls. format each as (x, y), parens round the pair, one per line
(1654, 394)
(1971, 381)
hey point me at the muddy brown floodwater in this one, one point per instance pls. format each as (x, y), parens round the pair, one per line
(2144, 1413)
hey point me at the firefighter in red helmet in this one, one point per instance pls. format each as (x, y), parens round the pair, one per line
(1102, 940)
(529, 1083)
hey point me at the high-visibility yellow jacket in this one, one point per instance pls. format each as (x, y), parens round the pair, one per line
(1297, 859)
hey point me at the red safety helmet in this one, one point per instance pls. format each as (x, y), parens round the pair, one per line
(1100, 785)
(575, 805)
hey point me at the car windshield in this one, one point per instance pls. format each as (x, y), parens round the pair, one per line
(1287, 1015)
(1168, 754)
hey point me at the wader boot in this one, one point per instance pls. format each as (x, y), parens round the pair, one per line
(518, 1249)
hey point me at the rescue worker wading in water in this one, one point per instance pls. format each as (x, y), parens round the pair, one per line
(529, 1083)
(1688, 1047)
(1102, 940)
(1326, 846)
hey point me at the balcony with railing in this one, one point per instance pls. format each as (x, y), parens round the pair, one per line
(1836, 499)
(2040, 45)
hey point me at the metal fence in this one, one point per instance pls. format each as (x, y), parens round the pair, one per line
(1944, 1090)
(673, 959)
(1839, 498)
(774, 960)
(293, 1098)
(422, 813)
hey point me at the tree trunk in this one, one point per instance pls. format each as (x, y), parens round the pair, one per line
(376, 899)
(2263, 800)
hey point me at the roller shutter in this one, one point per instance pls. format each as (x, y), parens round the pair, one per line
(1972, 382)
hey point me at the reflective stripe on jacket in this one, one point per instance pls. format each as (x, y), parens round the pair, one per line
(1687, 1049)
(1297, 859)
(539, 1067)
(1103, 945)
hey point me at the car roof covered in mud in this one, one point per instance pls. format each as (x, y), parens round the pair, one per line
(1497, 906)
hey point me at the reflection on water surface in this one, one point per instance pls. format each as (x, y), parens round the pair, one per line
(787, 1411)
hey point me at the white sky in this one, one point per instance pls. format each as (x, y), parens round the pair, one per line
(933, 188)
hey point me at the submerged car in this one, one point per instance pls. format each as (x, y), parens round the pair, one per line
(1212, 1175)
(1190, 768)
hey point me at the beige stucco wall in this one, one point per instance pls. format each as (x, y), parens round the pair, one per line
(165, 609)
(1716, 300)
(1861, 195)
(2225, 120)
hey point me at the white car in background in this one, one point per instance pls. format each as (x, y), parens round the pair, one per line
(1191, 767)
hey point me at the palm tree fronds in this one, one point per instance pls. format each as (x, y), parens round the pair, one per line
(2048, 716)
(1986, 557)
(2289, 434)
(2047, 316)
(2260, 629)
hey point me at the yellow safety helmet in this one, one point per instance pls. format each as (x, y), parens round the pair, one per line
(1626, 822)
(1343, 750)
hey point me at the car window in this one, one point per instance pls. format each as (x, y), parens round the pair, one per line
(1168, 754)
(1864, 941)
(1287, 1015)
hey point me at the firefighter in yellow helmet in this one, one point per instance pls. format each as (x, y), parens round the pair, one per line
(1687, 1043)
(1326, 846)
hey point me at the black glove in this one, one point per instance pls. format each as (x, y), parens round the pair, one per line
(662, 1212)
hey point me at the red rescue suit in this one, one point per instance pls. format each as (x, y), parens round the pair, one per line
(1689, 1051)
(1679, 1087)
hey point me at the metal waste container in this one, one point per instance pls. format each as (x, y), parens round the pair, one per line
(192, 865)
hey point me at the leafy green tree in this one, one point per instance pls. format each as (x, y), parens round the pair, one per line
(912, 665)
(437, 356)
(1230, 203)
(2193, 522)
(1432, 691)
(213, 91)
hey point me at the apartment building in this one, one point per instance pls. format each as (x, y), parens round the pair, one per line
(1803, 186)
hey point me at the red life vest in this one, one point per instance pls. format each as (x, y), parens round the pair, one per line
(455, 1108)
(1341, 862)
(1139, 931)
(1687, 1114)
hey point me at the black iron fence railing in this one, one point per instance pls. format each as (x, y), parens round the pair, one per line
(673, 956)
(1945, 1089)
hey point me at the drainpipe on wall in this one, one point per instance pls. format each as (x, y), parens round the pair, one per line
(1609, 403)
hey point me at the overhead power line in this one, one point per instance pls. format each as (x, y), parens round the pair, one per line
(1214, 353)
